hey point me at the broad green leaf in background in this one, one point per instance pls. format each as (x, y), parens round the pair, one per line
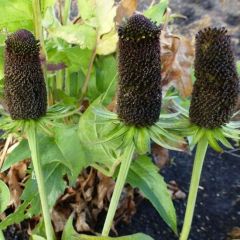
(16, 14)
(88, 135)
(105, 13)
(53, 150)
(83, 35)
(86, 9)
(68, 142)
(108, 43)
(74, 58)
(101, 13)
(106, 70)
(144, 175)
(4, 196)
(70, 233)
(46, 4)
(156, 12)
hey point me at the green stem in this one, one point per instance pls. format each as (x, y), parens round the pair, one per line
(32, 141)
(121, 179)
(1, 235)
(196, 174)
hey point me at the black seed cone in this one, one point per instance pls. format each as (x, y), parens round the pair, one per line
(139, 89)
(24, 86)
(216, 89)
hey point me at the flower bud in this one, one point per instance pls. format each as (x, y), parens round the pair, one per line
(24, 86)
(139, 86)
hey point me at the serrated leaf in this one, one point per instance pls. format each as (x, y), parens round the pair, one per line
(156, 12)
(69, 144)
(70, 233)
(83, 35)
(4, 196)
(53, 173)
(144, 175)
(88, 133)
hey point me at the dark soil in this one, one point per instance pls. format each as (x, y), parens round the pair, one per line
(218, 203)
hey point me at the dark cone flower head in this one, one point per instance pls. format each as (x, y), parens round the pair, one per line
(139, 87)
(24, 86)
(215, 91)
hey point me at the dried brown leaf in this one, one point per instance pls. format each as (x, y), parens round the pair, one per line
(125, 9)
(235, 233)
(160, 155)
(177, 57)
(15, 178)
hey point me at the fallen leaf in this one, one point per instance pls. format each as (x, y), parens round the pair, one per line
(235, 233)
(177, 55)
(160, 155)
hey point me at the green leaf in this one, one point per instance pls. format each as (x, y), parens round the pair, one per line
(46, 4)
(4, 196)
(20, 153)
(212, 141)
(53, 173)
(142, 141)
(16, 217)
(156, 12)
(1, 62)
(70, 233)
(68, 142)
(144, 175)
(98, 13)
(83, 35)
(108, 43)
(105, 13)
(16, 14)
(36, 237)
(106, 70)
(88, 133)
(86, 9)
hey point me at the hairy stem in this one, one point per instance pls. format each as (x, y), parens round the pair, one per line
(121, 179)
(32, 141)
(195, 180)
